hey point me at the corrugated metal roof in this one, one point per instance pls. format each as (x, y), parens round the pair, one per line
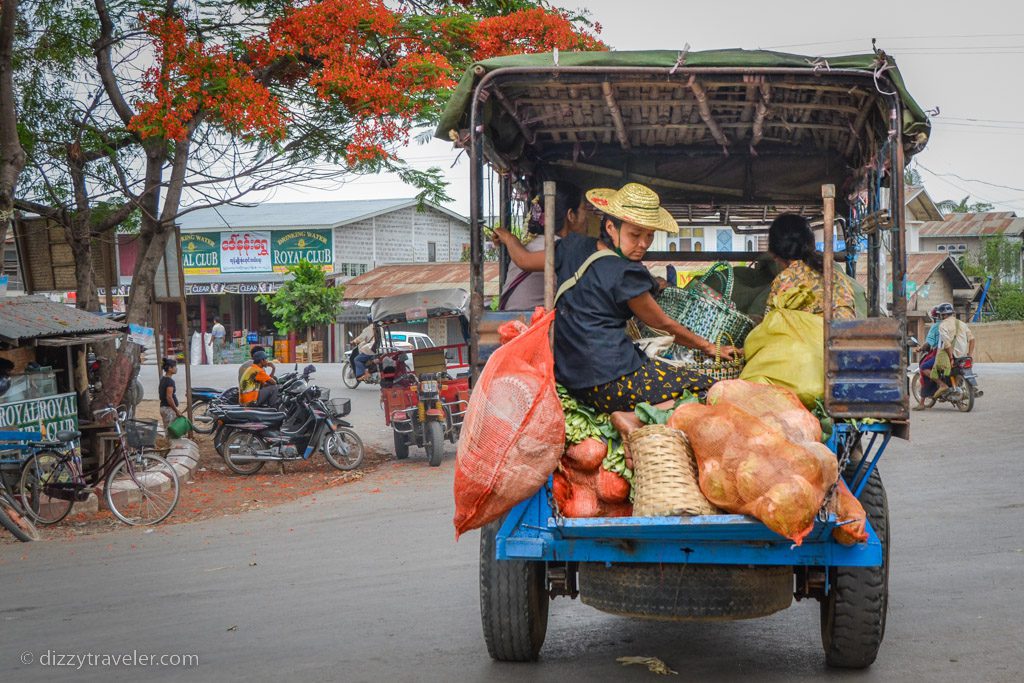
(31, 317)
(297, 214)
(921, 266)
(988, 224)
(406, 278)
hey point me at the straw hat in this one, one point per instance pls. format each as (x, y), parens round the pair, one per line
(636, 204)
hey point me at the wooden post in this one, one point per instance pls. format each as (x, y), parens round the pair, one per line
(184, 323)
(202, 329)
(154, 316)
(828, 194)
(549, 245)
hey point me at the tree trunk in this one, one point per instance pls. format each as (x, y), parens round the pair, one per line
(309, 344)
(12, 156)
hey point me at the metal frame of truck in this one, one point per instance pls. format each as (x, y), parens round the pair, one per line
(704, 108)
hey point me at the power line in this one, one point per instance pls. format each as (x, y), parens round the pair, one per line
(880, 38)
(969, 180)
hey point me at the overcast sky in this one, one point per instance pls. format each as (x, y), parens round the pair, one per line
(960, 57)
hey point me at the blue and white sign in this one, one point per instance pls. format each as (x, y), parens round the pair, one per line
(143, 336)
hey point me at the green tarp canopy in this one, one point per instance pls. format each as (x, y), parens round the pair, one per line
(916, 127)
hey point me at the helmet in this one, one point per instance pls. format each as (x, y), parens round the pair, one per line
(934, 313)
(944, 309)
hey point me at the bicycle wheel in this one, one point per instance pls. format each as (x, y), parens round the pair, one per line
(47, 487)
(343, 449)
(142, 489)
(348, 376)
(14, 520)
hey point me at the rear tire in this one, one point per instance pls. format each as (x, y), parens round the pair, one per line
(513, 603)
(243, 443)
(853, 613)
(348, 375)
(17, 522)
(435, 443)
(966, 404)
(915, 385)
(39, 470)
(401, 446)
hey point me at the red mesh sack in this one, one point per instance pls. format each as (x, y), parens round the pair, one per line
(778, 406)
(748, 467)
(514, 430)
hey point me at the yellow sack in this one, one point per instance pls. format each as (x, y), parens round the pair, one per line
(788, 347)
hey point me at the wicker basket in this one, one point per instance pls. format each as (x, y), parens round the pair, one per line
(665, 474)
(704, 311)
(713, 366)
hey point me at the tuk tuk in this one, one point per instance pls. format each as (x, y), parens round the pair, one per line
(729, 139)
(424, 402)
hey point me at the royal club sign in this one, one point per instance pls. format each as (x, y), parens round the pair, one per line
(290, 248)
(200, 253)
(255, 251)
(44, 415)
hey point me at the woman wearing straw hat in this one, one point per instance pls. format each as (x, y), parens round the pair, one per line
(602, 285)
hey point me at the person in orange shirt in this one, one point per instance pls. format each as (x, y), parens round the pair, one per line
(257, 386)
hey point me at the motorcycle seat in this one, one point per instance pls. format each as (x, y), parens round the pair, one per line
(206, 390)
(269, 416)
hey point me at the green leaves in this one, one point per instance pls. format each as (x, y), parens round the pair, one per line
(305, 301)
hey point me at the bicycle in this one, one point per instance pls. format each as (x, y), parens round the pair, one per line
(14, 518)
(140, 487)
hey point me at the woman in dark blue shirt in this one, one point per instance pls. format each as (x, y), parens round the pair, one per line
(594, 357)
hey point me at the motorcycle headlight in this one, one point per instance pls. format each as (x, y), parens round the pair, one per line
(428, 387)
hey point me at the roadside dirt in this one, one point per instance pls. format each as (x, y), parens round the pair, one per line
(215, 490)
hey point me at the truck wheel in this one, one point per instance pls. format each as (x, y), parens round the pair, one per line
(853, 613)
(401, 446)
(513, 603)
(681, 592)
(435, 443)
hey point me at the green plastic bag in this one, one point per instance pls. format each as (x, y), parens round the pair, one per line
(179, 427)
(788, 348)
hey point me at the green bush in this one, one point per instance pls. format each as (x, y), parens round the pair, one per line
(1009, 304)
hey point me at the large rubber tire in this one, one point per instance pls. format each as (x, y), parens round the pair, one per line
(513, 603)
(348, 375)
(42, 468)
(16, 521)
(435, 443)
(677, 592)
(853, 613)
(966, 404)
(244, 441)
(333, 443)
(401, 446)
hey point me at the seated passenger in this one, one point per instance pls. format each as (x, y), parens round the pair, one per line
(791, 242)
(524, 290)
(257, 387)
(602, 284)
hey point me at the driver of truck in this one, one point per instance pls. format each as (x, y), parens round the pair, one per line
(603, 284)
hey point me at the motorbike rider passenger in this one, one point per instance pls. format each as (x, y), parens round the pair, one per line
(929, 348)
(956, 341)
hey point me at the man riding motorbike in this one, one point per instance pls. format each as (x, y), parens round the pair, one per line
(956, 341)
(364, 343)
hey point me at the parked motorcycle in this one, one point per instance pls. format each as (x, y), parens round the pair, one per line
(259, 436)
(207, 401)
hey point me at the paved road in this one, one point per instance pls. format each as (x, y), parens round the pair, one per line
(367, 584)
